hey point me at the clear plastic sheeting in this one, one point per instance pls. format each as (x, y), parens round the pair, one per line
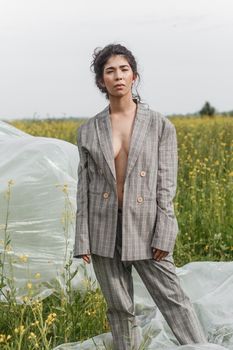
(38, 183)
(208, 284)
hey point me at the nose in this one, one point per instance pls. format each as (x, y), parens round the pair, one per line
(118, 74)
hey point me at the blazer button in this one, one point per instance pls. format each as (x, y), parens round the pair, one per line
(105, 194)
(139, 199)
(142, 173)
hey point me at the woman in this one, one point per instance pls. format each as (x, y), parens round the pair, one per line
(125, 217)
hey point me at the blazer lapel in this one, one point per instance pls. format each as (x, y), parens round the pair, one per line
(141, 125)
(104, 131)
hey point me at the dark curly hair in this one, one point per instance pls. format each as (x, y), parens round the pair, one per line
(100, 57)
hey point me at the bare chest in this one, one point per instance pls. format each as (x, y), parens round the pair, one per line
(121, 137)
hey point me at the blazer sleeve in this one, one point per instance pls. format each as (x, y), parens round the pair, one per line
(81, 244)
(166, 227)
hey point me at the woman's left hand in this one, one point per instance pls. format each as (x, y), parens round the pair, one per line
(159, 254)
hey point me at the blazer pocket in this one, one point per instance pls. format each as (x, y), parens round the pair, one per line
(94, 192)
(149, 197)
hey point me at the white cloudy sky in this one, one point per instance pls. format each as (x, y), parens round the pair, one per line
(183, 48)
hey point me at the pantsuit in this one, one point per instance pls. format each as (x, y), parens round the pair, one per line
(117, 241)
(115, 279)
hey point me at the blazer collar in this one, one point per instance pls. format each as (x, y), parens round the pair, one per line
(104, 132)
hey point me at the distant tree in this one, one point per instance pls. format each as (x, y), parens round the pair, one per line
(207, 109)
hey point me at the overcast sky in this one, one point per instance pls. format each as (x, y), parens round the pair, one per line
(183, 48)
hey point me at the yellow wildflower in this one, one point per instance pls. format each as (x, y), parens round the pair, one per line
(8, 247)
(25, 298)
(51, 318)
(32, 336)
(29, 285)
(65, 188)
(20, 329)
(23, 258)
(4, 338)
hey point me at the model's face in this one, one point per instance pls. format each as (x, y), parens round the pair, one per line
(118, 71)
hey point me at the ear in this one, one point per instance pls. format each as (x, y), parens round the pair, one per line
(134, 77)
(101, 82)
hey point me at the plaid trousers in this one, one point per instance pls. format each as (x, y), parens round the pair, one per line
(160, 278)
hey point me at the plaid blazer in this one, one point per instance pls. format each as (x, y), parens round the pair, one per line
(148, 218)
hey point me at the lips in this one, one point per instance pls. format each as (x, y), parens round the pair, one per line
(119, 86)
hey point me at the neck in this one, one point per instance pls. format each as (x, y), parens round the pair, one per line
(122, 105)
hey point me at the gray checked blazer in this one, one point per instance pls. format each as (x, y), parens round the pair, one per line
(148, 218)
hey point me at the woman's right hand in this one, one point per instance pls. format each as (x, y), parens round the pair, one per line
(87, 258)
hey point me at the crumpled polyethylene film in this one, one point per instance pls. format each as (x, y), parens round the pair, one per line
(43, 181)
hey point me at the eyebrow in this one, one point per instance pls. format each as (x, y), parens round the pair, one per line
(123, 65)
